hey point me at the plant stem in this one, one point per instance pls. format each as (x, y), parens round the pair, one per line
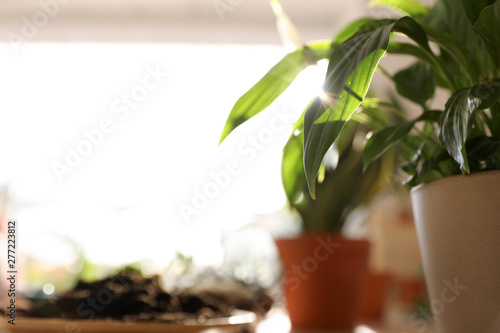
(466, 168)
(385, 73)
(443, 71)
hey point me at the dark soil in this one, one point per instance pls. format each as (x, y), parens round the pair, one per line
(128, 296)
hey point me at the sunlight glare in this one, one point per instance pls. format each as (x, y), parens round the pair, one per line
(48, 289)
(310, 81)
(277, 322)
(364, 329)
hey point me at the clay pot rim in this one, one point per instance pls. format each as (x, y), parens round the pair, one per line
(314, 234)
(455, 178)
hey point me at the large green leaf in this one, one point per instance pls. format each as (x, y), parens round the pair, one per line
(458, 117)
(349, 74)
(416, 82)
(474, 7)
(273, 84)
(421, 54)
(411, 8)
(455, 125)
(351, 29)
(456, 49)
(379, 142)
(343, 188)
(449, 16)
(292, 168)
(488, 26)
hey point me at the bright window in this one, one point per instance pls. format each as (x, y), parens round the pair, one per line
(114, 146)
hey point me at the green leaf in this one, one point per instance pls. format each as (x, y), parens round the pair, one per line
(488, 26)
(382, 140)
(289, 33)
(430, 116)
(482, 148)
(411, 8)
(349, 74)
(456, 49)
(448, 167)
(273, 84)
(419, 53)
(474, 7)
(449, 16)
(379, 142)
(494, 120)
(455, 124)
(409, 49)
(351, 29)
(425, 173)
(458, 117)
(292, 168)
(417, 83)
(487, 93)
(414, 31)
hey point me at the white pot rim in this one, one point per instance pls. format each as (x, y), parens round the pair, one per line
(455, 178)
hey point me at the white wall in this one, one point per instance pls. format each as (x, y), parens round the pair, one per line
(203, 21)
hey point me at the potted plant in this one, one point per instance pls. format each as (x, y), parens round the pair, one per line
(449, 152)
(326, 272)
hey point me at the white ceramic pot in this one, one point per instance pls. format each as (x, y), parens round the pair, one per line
(458, 227)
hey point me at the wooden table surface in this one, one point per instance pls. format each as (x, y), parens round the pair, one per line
(277, 321)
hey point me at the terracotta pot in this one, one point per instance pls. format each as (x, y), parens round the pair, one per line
(324, 279)
(458, 227)
(375, 296)
(410, 291)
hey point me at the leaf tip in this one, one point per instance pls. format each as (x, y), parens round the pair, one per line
(223, 136)
(312, 190)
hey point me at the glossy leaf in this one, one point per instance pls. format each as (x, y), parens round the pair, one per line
(414, 31)
(379, 142)
(487, 25)
(273, 84)
(349, 74)
(411, 8)
(458, 117)
(351, 29)
(474, 7)
(417, 83)
(455, 125)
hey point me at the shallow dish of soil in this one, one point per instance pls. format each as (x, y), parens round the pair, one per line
(130, 302)
(235, 323)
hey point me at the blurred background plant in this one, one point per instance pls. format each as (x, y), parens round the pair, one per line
(343, 185)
